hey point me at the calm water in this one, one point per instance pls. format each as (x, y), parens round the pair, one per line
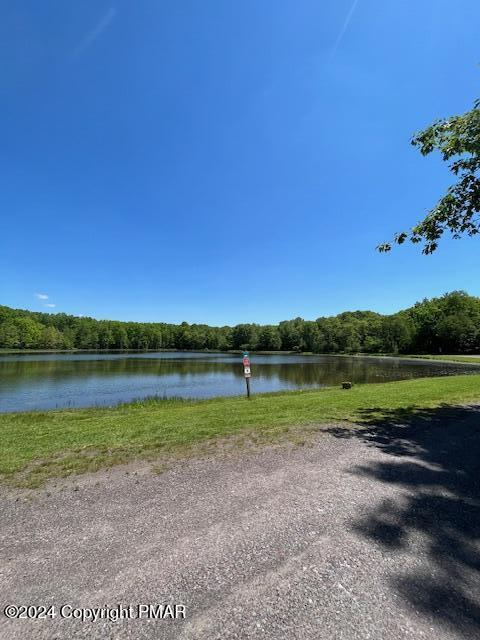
(78, 380)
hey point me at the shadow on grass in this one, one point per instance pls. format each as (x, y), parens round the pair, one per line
(434, 454)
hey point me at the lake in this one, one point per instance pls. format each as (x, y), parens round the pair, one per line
(45, 381)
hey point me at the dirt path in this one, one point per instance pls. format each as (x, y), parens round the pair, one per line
(375, 536)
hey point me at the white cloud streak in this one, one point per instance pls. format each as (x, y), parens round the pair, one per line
(343, 29)
(96, 32)
(50, 304)
(41, 296)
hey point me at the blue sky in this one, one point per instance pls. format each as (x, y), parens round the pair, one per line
(227, 162)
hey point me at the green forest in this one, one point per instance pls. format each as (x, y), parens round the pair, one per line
(449, 324)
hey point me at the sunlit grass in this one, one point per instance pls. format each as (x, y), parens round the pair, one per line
(473, 360)
(40, 445)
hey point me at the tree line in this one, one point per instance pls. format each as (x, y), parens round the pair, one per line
(449, 324)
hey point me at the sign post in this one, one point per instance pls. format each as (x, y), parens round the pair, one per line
(247, 372)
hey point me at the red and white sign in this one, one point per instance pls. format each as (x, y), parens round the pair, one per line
(247, 372)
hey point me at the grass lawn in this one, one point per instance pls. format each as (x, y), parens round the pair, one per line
(41, 445)
(475, 360)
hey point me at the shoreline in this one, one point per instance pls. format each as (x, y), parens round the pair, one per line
(41, 445)
(466, 358)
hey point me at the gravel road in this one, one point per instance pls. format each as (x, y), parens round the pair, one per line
(372, 535)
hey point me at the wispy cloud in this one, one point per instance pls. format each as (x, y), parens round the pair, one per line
(96, 32)
(343, 29)
(43, 297)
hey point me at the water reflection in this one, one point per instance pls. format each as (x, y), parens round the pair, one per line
(47, 381)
